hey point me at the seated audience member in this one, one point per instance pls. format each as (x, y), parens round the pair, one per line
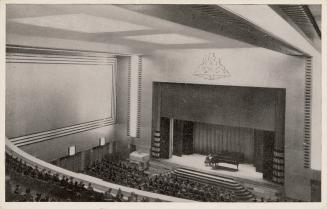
(145, 199)
(89, 187)
(108, 195)
(45, 199)
(18, 190)
(81, 185)
(130, 198)
(28, 196)
(38, 197)
(119, 195)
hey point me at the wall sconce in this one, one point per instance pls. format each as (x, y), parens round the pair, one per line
(71, 150)
(102, 141)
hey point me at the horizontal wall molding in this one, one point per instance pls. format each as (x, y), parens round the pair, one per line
(24, 54)
(50, 59)
(60, 132)
(11, 48)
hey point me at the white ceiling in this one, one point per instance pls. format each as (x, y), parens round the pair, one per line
(80, 23)
(168, 38)
(109, 24)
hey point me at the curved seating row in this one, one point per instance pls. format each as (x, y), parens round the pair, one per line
(98, 184)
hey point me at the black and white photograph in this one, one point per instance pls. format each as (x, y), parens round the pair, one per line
(164, 102)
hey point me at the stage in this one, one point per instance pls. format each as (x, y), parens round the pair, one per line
(246, 173)
(196, 161)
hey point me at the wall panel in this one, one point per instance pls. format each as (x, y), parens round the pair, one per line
(58, 94)
(42, 97)
(225, 105)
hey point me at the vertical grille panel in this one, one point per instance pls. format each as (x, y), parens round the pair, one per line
(129, 96)
(139, 97)
(307, 112)
(134, 101)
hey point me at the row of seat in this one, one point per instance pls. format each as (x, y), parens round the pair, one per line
(238, 189)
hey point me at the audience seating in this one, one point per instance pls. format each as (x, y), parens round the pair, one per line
(34, 166)
(45, 186)
(181, 183)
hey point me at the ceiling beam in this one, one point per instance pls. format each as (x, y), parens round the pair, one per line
(266, 18)
(217, 20)
(300, 17)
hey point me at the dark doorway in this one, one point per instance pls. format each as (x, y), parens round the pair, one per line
(188, 138)
(132, 148)
(183, 137)
(258, 150)
(164, 140)
(268, 147)
(315, 191)
(178, 137)
(263, 152)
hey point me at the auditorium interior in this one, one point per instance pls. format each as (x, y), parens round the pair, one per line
(163, 103)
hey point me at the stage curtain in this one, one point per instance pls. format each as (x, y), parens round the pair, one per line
(210, 138)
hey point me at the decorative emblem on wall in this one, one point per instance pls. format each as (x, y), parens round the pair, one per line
(211, 68)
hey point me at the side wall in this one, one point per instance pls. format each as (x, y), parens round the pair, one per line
(56, 148)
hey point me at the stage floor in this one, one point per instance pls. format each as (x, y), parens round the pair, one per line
(196, 161)
(245, 174)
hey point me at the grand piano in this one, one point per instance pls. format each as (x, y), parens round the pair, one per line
(234, 158)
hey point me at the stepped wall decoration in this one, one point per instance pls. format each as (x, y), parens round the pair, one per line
(211, 68)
